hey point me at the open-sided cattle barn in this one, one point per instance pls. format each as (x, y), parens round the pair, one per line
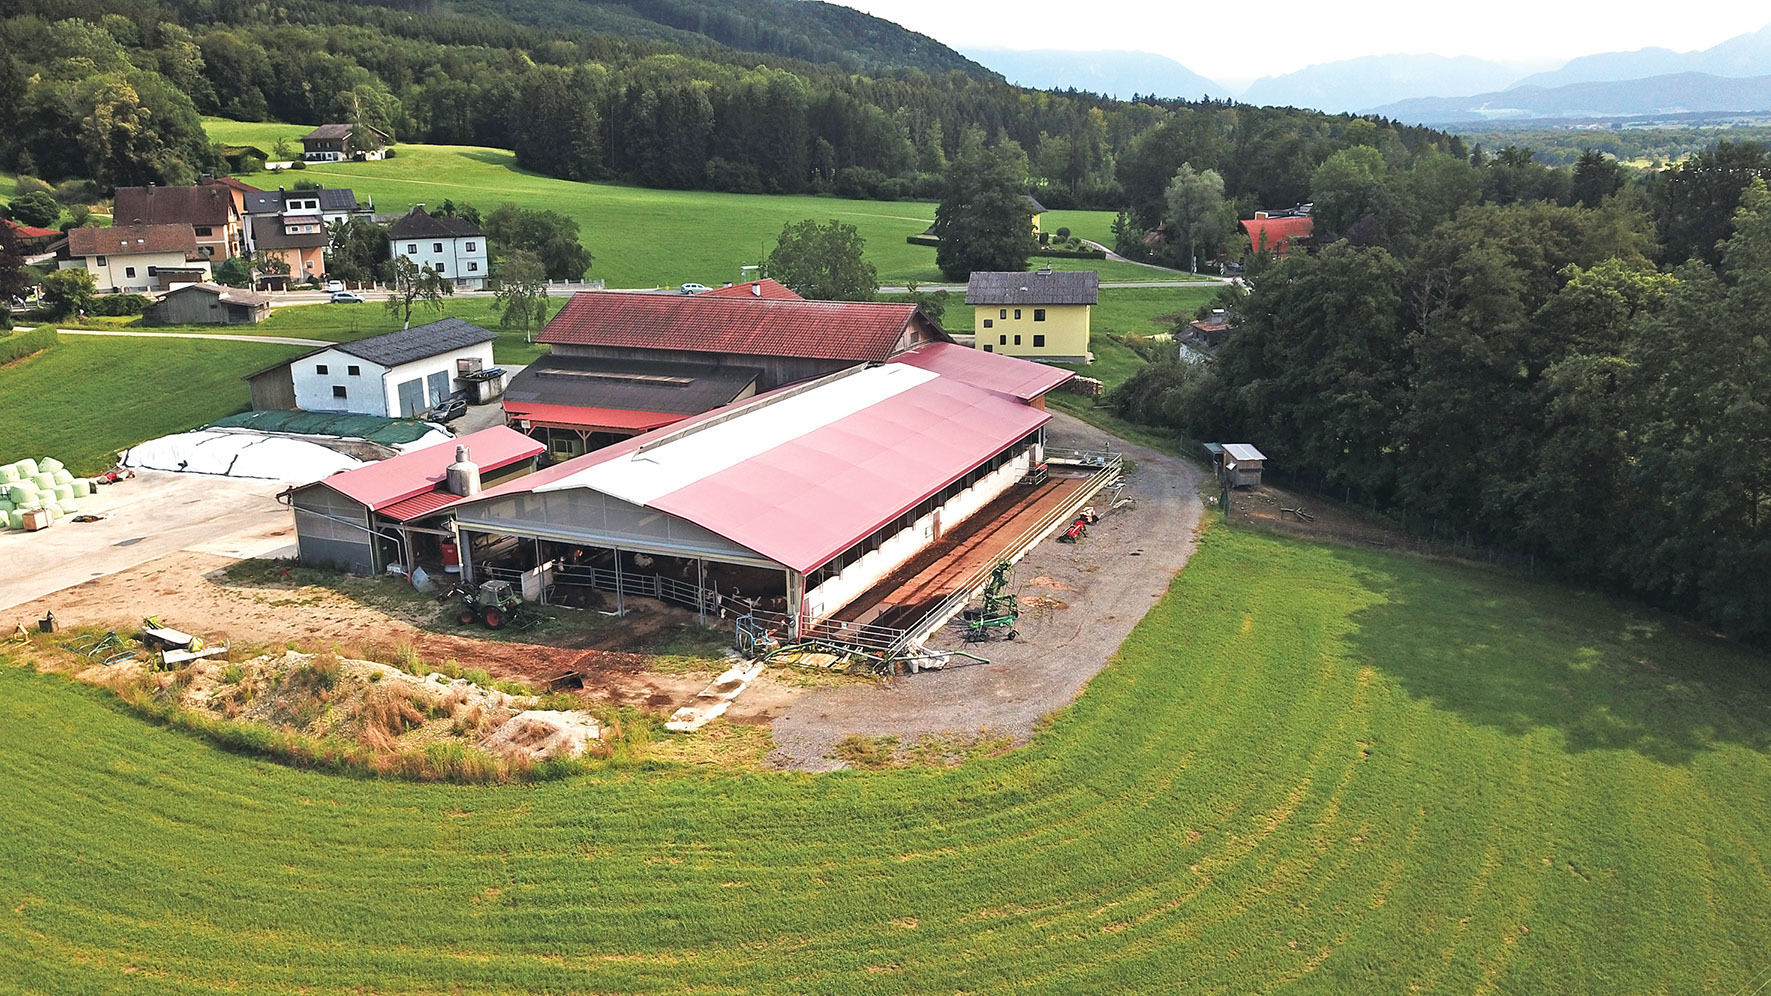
(803, 498)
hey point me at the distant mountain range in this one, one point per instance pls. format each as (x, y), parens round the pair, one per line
(1116, 74)
(1431, 89)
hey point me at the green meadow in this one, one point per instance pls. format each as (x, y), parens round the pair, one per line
(1309, 767)
(642, 237)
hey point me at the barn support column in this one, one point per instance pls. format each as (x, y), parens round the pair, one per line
(620, 593)
(796, 598)
(464, 551)
(701, 589)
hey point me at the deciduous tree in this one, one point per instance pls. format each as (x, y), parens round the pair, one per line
(413, 284)
(984, 222)
(521, 292)
(824, 262)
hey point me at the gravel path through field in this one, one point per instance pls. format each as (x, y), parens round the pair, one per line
(1078, 604)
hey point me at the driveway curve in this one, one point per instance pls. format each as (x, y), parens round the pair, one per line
(1078, 604)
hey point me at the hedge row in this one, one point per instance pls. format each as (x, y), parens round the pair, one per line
(17, 347)
(930, 240)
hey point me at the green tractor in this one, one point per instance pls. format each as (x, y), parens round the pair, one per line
(495, 603)
(1000, 609)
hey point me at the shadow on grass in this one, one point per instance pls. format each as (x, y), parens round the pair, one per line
(1520, 656)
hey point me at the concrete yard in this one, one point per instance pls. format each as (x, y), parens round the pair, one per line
(149, 516)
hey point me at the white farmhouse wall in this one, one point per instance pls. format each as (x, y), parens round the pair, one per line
(314, 390)
(422, 370)
(874, 566)
(115, 272)
(459, 263)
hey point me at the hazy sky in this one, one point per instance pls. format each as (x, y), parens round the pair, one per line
(1237, 43)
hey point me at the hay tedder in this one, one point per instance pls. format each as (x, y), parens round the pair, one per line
(1000, 610)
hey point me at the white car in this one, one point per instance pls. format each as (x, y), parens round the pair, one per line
(334, 285)
(346, 297)
(696, 288)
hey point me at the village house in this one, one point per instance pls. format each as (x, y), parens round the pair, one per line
(130, 258)
(1042, 315)
(330, 143)
(211, 210)
(1277, 231)
(273, 211)
(399, 375)
(452, 247)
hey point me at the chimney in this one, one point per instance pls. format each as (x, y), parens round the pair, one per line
(756, 289)
(463, 476)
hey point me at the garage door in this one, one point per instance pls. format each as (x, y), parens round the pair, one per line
(411, 398)
(439, 387)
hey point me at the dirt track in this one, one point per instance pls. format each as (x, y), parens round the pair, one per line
(1079, 602)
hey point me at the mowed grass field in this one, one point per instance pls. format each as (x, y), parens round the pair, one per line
(642, 237)
(86, 398)
(1344, 770)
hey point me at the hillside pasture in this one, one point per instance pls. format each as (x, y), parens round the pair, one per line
(643, 237)
(1345, 771)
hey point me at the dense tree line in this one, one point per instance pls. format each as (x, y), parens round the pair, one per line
(1563, 362)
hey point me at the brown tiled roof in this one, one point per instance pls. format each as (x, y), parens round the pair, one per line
(204, 205)
(420, 224)
(765, 288)
(341, 131)
(127, 239)
(832, 330)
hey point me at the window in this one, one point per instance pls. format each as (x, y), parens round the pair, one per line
(1017, 314)
(1002, 340)
(989, 348)
(129, 271)
(472, 266)
(436, 247)
(1039, 314)
(1039, 339)
(470, 247)
(1003, 313)
(101, 261)
(205, 230)
(338, 391)
(153, 271)
(320, 368)
(1017, 338)
(356, 371)
(438, 268)
(411, 247)
(989, 323)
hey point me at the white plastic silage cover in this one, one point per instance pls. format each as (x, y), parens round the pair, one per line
(239, 454)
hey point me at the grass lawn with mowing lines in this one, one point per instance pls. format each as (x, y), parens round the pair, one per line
(642, 237)
(88, 397)
(1364, 772)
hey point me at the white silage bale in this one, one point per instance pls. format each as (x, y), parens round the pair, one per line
(44, 481)
(26, 468)
(6, 505)
(62, 476)
(15, 519)
(22, 493)
(67, 506)
(49, 465)
(9, 474)
(64, 492)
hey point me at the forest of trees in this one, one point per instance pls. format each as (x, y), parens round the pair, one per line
(1568, 364)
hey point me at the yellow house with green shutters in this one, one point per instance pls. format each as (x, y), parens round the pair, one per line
(1037, 316)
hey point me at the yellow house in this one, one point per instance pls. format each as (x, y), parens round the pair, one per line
(1036, 316)
(1037, 209)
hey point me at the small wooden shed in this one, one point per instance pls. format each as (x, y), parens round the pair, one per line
(1242, 465)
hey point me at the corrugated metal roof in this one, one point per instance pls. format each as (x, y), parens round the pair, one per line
(416, 343)
(380, 485)
(581, 417)
(1275, 234)
(1017, 378)
(834, 330)
(418, 506)
(634, 385)
(1039, 287)
(802, 474)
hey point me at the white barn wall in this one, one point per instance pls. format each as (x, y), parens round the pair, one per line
(873, 567)
(423, 369)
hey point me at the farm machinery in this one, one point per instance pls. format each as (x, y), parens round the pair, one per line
(1000, 610)
(494, 603)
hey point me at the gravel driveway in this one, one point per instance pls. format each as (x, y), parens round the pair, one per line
(1078, 604)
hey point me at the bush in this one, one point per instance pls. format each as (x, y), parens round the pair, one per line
(389, 154)
(120, 304)
(37, 209)
(19, 346)
(298, 164)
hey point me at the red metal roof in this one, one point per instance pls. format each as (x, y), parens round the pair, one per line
(576, 416)
(380, 485)
(418, 506)
(30, 232)
(1275, 234)
(834, 330)
(764, 289)
(1017, 378)
(802, 503)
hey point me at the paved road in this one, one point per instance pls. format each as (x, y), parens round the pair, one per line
(1079, 602)
(1200, 281)
(282, 340)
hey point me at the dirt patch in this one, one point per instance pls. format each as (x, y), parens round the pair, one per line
(195, 593)
(1297, 514)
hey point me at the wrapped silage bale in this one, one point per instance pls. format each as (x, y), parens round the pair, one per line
(44, 480)
(85, 487)
(15, 519)
(27, 468)
(6, 505)
(22, 493)
(64, 492)
(67, 506)
(62, 477)
(49, 465)
(9, 474)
